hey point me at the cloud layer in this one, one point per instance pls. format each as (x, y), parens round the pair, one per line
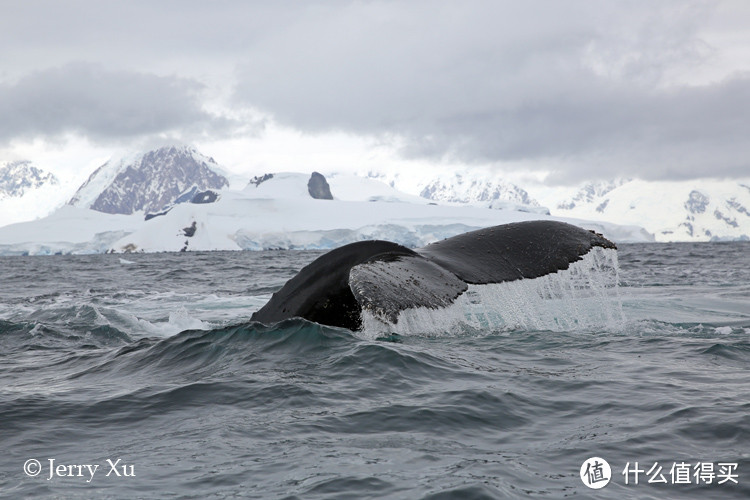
(557, 83)
(89, 100)
(587, 89)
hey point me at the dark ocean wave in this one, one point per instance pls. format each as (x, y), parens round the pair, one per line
(483, 415)
(156, 363)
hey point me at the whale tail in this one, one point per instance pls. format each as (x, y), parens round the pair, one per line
(385, 278)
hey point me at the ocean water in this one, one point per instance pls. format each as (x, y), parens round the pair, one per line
(150, 363)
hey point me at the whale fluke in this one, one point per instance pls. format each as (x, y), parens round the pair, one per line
(386, 278)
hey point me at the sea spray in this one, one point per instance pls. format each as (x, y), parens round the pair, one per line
(583, 297)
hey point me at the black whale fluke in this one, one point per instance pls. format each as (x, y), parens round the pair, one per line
(386, 278)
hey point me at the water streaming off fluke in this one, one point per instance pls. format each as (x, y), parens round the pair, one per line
(583, 297)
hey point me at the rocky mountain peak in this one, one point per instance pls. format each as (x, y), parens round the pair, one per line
(148, 181)
(592, 192)
(19, 177)
(480, 191)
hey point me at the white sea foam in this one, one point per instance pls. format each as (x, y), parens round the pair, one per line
(163, 314)
(179, 321)
(583, 297)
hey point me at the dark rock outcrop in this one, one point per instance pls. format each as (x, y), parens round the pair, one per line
(190, 230)
(205, 197)
(150, 216)
(259, 179)
(318, 187)
(697, 202)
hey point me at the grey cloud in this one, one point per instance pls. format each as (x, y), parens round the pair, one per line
(102, 104)
(605, 132)
(568, 82)
(582, 86)
(182, 35)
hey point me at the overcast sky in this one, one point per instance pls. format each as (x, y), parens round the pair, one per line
(568, 90)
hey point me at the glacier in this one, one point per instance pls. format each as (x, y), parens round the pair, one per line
(277, 213)
(670, 210)
(154, 181)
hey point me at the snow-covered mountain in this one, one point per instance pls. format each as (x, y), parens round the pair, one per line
(343, 187)
(148, 181)
(479, 189)
(153, 183)
(591, 193)
(28, 192)
(698, 210)
(458, 189)
(274, 211)
(20, 177)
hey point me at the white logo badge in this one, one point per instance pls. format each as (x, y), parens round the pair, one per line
(596, 473)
